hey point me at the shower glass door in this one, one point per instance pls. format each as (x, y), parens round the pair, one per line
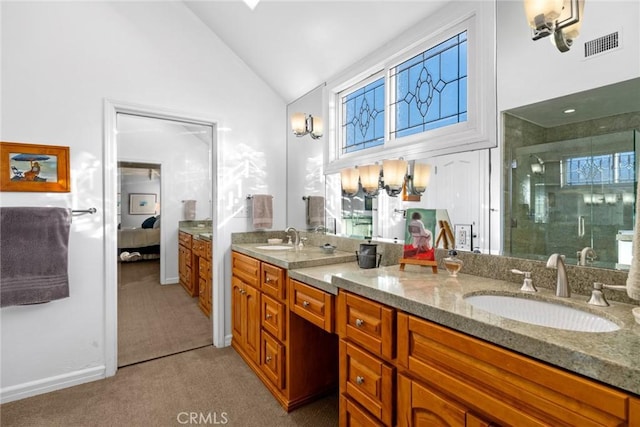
(572, 194)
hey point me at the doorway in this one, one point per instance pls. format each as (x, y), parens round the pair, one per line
(184, 148)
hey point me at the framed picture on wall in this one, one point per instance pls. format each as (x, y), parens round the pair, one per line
(34, 168)
(142, 204)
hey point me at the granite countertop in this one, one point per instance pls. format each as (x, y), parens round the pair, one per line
(290, 259)
(610, 357)
(203, 233)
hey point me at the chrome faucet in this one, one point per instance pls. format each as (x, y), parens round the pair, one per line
(586, 252)
(562, 284)
(296, 236)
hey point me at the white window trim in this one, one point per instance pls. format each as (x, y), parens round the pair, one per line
(478, 132)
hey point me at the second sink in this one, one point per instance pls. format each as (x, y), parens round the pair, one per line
(542, 313)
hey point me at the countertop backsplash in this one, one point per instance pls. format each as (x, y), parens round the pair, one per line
(581, 278)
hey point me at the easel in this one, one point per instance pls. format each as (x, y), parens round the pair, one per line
(446, 236)
(422, 262)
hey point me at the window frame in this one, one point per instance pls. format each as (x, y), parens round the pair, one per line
(477, 132)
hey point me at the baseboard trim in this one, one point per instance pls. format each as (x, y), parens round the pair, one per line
(227, 340)
(46, 385)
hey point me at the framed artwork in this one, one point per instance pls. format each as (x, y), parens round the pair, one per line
(34, 167)
(142, 204)
(420, 234)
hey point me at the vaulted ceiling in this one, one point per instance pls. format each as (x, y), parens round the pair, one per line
(297, 45)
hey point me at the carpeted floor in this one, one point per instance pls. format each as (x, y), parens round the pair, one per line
(207, 386)
(156, 320)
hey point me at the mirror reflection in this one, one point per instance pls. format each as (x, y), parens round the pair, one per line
(571, 176)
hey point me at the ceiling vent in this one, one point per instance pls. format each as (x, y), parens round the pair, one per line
(602, 44)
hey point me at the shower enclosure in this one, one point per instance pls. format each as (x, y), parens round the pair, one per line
(568, 195)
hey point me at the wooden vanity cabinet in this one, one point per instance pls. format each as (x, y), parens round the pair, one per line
(202, 266)
(185, 262)
(470, 376)
(295, 360)
(367, 353)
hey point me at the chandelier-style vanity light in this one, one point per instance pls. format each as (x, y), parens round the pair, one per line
(560, 18)
(393, 176)
(303, 124)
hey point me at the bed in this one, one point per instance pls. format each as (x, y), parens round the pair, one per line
(146, 241)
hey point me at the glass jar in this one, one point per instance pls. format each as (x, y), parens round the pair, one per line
(453, 264)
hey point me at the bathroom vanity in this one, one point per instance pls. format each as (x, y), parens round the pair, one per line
(405, 346)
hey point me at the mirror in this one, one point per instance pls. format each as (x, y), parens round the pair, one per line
(570, 176)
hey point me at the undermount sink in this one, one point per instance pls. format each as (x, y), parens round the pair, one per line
(542, 313)
(274, 247)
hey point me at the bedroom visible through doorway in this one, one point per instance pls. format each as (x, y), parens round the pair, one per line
(161, 162)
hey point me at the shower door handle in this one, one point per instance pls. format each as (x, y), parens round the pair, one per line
(581, 226)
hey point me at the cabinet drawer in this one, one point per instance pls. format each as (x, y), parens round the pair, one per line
(312, 304)
(199, 247)
(273, 316)
(367, 323)
(367, 380)
(272, 362)
(203, 268)
(184, 239)
(352, 415)
(272, 281)
(246, 268)
(515, 389)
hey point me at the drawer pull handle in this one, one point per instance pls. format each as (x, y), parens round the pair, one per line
(267, 280)
(268, 316)
(359, 323)
(305, 304)
(359, 380)
(268, 359)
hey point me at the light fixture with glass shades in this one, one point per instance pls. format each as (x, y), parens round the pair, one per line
(350, 181)
(303, 124)
(560, 18)
(395, 176)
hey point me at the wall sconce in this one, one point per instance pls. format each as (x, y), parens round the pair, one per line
(393, 172)
(303, 124)
(393, 177)
(560, 18)
(350, 181)
(418, 179)
(370, 179)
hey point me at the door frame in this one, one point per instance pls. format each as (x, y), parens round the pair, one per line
(110, 170)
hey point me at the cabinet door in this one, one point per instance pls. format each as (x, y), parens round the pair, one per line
(238, 308)
(252, 323)
(420, 406)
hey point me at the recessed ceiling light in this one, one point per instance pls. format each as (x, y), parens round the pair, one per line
(570, 110)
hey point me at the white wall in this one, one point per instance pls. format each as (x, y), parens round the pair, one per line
(305, 175)
(60, 60)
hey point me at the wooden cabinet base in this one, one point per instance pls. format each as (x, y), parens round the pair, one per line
(311, 373)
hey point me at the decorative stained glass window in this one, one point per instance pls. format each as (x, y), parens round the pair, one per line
(603, 169)
(363, 117)
(431, 88)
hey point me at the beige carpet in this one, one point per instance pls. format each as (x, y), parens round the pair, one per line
(209, 384)
(156, 320)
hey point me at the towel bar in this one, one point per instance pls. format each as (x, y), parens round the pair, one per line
(84, 211)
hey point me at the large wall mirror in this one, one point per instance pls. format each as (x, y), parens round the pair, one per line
(570, 176)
